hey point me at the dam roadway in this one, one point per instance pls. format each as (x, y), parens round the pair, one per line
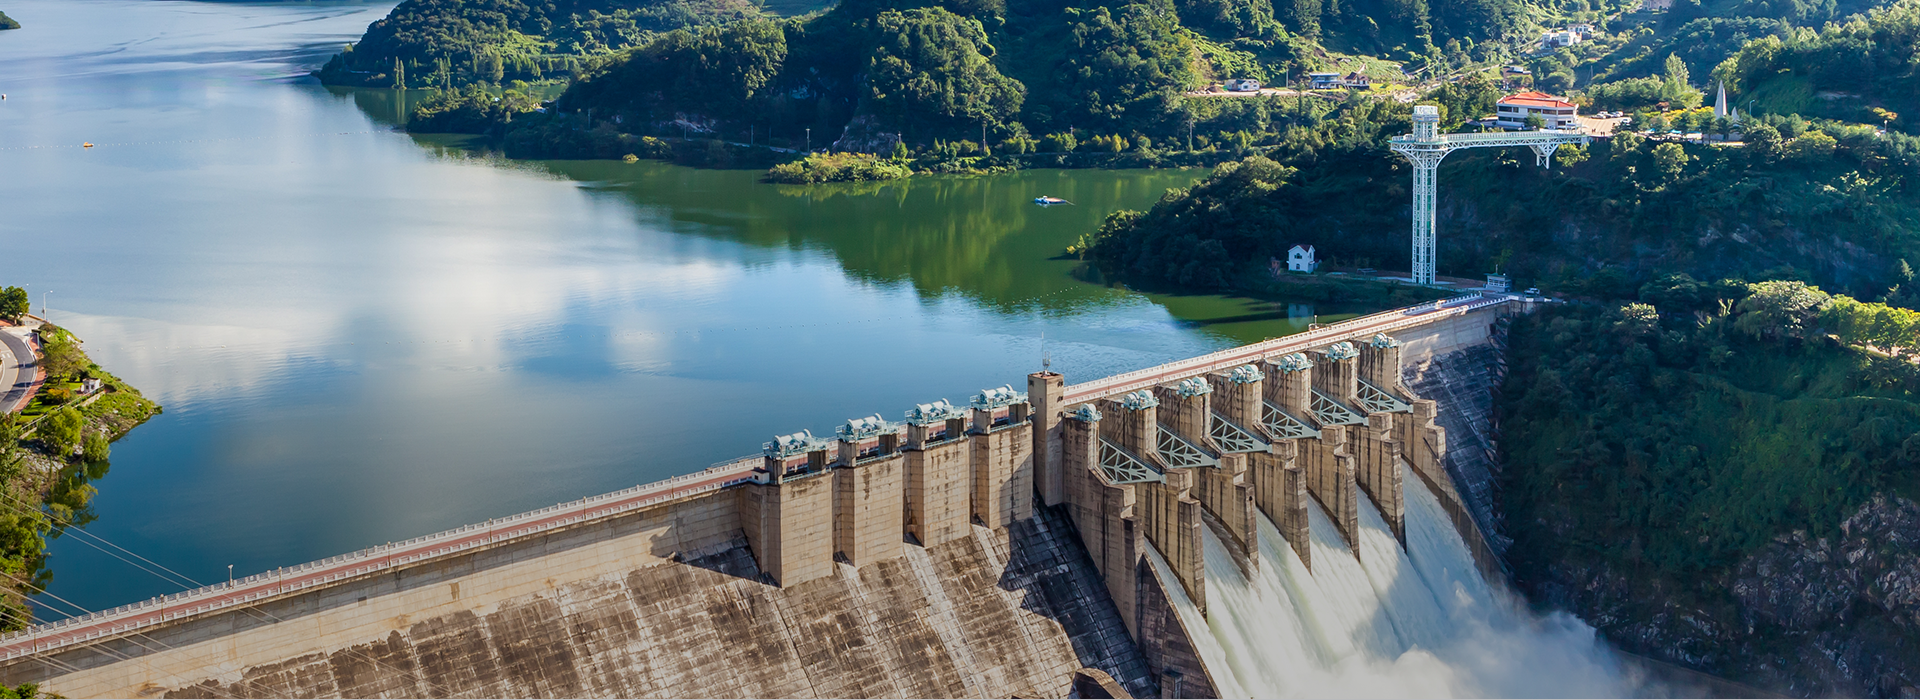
(643, 533)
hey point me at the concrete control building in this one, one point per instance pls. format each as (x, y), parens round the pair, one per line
(1512, 111)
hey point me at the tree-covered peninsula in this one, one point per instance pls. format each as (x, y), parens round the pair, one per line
(51, 450)
(8, 22)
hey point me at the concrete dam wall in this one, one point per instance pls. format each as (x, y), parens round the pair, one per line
(985, 550)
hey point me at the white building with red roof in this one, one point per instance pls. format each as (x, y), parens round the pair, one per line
(1512, 111)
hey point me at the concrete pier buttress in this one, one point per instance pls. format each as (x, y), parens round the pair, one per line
(1280, 491)
(790, 527)
(1166, 510)
(1047, 391)
(1103, 512)
(1271, 478)
(939, 484)
(1171, 516)
(869, 515)
(1003, 475)
(1376, 468)
(1228, 493)
(1187, 410)
(1324, 463)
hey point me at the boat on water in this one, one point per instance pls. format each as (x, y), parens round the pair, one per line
(1045, 201)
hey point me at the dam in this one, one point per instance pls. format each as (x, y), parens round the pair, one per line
(1280, 518)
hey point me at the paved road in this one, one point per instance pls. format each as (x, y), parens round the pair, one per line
(17, 369)
(1352, 328)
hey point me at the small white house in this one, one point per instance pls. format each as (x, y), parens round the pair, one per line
(1300, 259)
(1243, 85)
(1557, 39)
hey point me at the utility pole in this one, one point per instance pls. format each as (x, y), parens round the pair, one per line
(229, 575)
(809, 140)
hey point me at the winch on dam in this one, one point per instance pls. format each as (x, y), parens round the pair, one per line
(985, 549)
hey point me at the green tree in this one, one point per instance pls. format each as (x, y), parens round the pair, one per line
(1535, 122)
(1812, 147)
(61, 432)
(1762, 140)
(1670, 159)
(1676, 74)
(1784, 309)
(1568, 155)
(931, 70)
(95, 448)
(1125, 68)
(717, 72)
(13, 303)
(61, 353)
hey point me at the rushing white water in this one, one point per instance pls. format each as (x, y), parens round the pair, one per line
(1388, 622)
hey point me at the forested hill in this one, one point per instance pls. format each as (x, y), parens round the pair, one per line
(444, 43)
(870, 73)
(923, 68)
(1723, 476)
(1832, 203)
(8, 22)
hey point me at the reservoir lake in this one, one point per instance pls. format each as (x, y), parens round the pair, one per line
(362, 336)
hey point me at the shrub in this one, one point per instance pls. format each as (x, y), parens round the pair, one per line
(837, 167)
(95, 448)
(61, 431)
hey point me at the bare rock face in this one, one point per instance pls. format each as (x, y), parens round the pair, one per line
(865, 134)
(1794, 584)
(1805, 616)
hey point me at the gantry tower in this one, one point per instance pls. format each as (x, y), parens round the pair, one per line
(1426, 147)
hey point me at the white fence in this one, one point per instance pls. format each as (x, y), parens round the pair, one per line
(1234, 357)
(136, 616)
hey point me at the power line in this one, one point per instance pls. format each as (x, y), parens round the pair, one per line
(251, 609)
(100, 644)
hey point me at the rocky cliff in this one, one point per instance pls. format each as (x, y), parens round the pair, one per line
(1805, 616)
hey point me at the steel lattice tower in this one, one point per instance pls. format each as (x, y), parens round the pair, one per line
(1426, 147)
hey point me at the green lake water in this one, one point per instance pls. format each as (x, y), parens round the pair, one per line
(362, 336)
